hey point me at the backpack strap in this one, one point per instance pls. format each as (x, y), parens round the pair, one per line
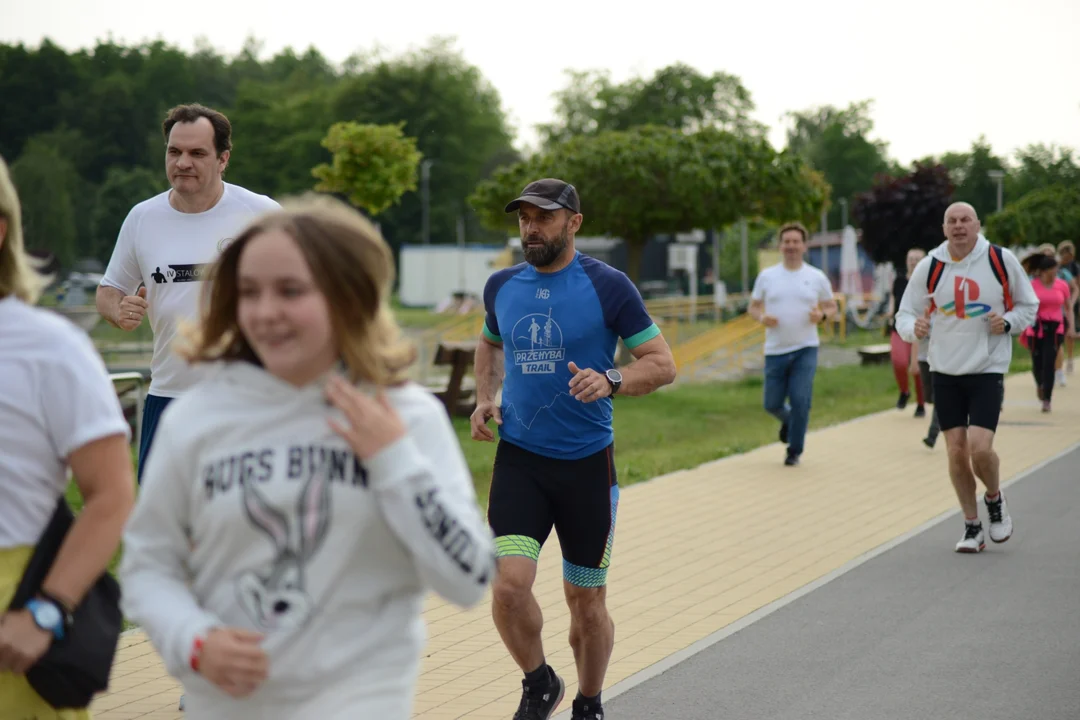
(932, 278)
(997, 264)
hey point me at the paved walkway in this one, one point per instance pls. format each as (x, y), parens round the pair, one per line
(695, 552)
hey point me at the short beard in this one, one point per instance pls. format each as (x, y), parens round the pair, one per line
(549, 252)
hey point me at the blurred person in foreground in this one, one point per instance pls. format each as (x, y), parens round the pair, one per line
(304, 496)
(58, 410)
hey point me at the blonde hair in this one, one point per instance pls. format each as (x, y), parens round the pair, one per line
(18, 271)
(352, 266)
(1047, 249)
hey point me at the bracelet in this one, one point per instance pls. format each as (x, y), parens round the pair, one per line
(196, 653)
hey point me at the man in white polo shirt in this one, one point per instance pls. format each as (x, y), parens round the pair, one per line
(791, 299)
(168, 242)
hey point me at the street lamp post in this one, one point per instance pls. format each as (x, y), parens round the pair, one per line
(998, 176)
(425, 200)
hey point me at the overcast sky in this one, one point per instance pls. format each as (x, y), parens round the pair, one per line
(940, 72)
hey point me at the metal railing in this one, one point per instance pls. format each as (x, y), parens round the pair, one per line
(125, 383)
(717, 345)
(689, 309)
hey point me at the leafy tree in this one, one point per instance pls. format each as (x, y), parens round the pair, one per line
(650, 180)
(837, 143)
(677, 96)
(1049, 215)
(278, 136)
(45, 181)
(1040, 166)
(453, 112)
(900, 213)
(123, 189)
(373, 165)
(33, 84)
(970, 172)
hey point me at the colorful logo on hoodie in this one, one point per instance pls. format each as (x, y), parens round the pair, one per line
(963, 306)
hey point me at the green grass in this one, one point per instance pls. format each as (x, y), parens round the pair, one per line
(684, 426)
(687, 425)
(105, 334)
(857, 337)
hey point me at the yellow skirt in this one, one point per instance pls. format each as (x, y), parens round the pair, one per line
(18, 701)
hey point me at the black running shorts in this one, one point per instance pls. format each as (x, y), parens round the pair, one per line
(969, 400)
(532, 493)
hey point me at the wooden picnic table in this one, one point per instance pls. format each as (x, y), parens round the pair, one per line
(459, 400)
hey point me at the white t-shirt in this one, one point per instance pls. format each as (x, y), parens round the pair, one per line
(789, 296)
(169, 251)
(55, 397)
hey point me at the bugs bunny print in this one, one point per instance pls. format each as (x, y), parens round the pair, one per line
(275, 596)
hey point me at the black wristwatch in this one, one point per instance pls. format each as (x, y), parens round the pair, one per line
(1008, 327)
(614, 377)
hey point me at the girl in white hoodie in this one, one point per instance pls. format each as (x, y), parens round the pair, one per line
(299, 503)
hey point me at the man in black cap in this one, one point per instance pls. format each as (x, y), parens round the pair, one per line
(551, 329)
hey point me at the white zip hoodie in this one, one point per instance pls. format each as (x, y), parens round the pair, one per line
(255, 514)
(961, 343)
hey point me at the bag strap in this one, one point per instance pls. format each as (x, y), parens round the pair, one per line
(933, 276)
(997, 264)
(44, 555)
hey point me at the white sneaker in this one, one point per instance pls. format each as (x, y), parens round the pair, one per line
(1001, 524)
(1059, 375)
(973, 541)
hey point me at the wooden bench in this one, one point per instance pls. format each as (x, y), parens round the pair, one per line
(458, 397)
(875, 354)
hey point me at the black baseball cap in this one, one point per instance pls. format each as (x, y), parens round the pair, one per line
(548, 194)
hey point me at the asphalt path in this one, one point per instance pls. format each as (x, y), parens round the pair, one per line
(916, 631)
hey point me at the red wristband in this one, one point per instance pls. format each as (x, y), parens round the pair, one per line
(196, 652)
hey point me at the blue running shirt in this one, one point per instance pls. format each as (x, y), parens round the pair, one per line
(546, 320)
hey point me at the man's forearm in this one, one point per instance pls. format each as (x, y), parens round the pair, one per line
(108, 300)
(488, 368)
(646, 374)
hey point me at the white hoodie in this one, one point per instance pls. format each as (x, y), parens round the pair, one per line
(254, 513)
(964, 345)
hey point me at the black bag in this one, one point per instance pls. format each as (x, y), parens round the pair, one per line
(76, 668)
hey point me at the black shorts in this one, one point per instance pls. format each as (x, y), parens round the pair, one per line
(532, 493)
(969, 400)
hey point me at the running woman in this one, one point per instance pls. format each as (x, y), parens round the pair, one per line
(301, 500)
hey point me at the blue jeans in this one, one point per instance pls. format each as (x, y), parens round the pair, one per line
(789, 388)
(152, 409)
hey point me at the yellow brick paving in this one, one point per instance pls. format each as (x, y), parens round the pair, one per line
(694, 552)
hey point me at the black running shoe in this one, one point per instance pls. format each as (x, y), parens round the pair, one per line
(791, 459)
(901, 402)
(587, 711)
(539, 703)
(784, 433)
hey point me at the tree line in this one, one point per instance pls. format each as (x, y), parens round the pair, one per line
(82, 130)
(671, 152)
